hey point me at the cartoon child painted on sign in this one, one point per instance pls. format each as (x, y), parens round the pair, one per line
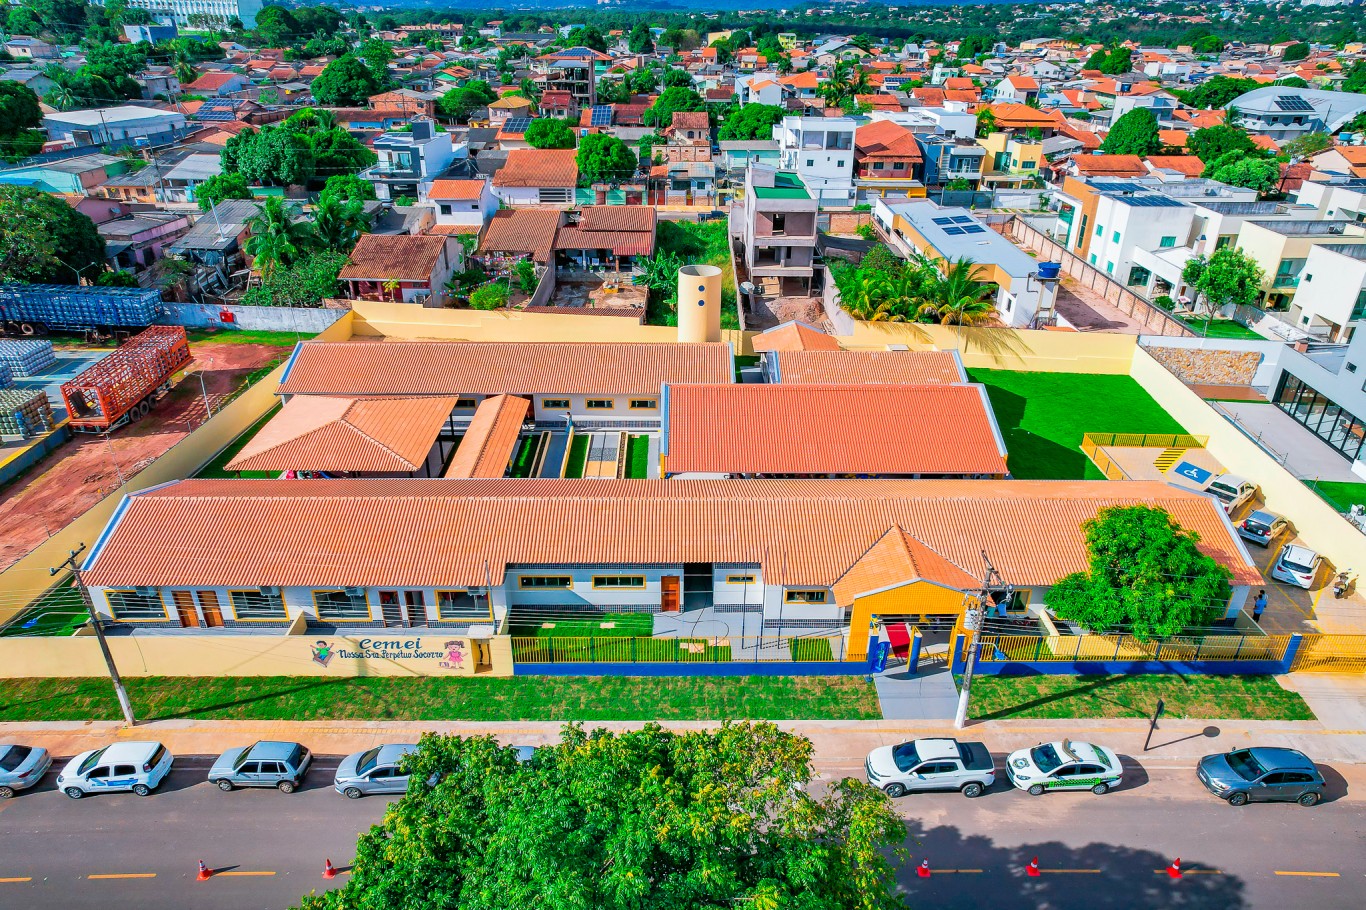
(455, 656)
(322, 652)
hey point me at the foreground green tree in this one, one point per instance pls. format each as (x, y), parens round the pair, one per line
(1213, 142)
(345, 82)
(45, 240)
(1260, 174)
(753, 121)
(1229, 276)
(1145, 573)
(1135, 133)
(549, 133)
(604, 159)
(671, 101)
(277, 240)
(220, 187)
(608, 821)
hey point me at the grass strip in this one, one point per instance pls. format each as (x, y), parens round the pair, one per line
(1196, 697)
(578, 456)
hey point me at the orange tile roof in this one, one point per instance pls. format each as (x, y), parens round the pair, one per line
(539, 167)
(387, 368)
(960, 84)
(1189, 165)
(1014, 116)
(794, 336)
(1024, 83)
(1173, 138)
(401, 257)
(465, 533)
(912, 367)
(486, 449)
(530, 231)
(462, 190)
(618, 218)
(1109, 165)
(786, 429)
(895, 560)
(808, 79)
(885, 139)
(346, 434)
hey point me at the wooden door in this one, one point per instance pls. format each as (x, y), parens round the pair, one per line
(208, 604)
(668, 601)
(184, 606)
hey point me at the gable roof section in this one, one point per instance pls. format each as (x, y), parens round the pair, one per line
(897, 559)
(1109, 165)
(786, 429)
(794, 336)
(885, 139)
(524, 230)
(538, 168)
(460, 190)
(401, 257)
(464, 533)
(487, 446)
(346, 434)
(913, 367)
(1189, 165)
(392, 368)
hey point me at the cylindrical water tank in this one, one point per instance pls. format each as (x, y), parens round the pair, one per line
(1049, 270)
(699, 304)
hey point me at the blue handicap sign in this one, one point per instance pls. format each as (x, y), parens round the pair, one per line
(1191, 472)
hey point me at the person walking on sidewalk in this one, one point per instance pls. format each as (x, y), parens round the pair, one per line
(1259, 607)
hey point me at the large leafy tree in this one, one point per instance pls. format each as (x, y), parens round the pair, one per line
(20, 118)
(338, 223)
(1297, 51)
(670, 102)
(1217, 91)
(605, 159)
(335, 151)
(1260, 174)
(1146, 572)
(220, 187)
(588, 36)
(377, 55)
(640, 40)
(277, 241)
(753, 121)
(1229, 276)
(276, 26)
(549, 133)
(42, 239)
(620, 821)
(956, 295)
(1135, 133)
(345, 82)
(1214, 142)
(459, 103)
(275, 156)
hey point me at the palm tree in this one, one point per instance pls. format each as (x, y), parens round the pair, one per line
(956, 296)
(338, 223)
(276, 239)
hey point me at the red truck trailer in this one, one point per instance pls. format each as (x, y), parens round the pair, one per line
(121, 387)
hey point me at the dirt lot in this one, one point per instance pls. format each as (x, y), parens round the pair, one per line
(86, 469)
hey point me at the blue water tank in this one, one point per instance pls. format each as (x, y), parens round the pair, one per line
(1049, 270)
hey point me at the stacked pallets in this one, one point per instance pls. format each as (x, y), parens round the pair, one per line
(26, 358)
(6, 375)
(24, 412)
(69, 306)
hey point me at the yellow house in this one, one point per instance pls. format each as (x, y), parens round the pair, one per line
(1011, 156)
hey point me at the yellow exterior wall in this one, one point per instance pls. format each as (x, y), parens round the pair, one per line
(411, 654)
(915, 598)
(1005, 349)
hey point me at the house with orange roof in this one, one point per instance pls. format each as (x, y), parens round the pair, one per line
(465, 204)
(1015, 88)
(1015, 149)
(887, 160)
(1192, 120)
(1175, 165)
(538, 177)
(405, 267)
(1173, 139)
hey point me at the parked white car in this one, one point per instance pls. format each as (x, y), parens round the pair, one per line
(931, 764)
(21, 767)
(1232, 491)
(1064, 766)
(122, 767)
(1297, 566)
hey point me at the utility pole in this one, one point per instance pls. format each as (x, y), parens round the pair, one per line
(994, 590)
(70, 563)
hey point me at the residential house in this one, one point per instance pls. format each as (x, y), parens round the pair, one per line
(217, 85)
(507, 107)
(778, 231)
(1282, 250)
(571, 70)
(413, 269)
(462, 206)
(538, 177)
(124, 125)
(820, 150)
(888, 162)
(1018, 89)
(137, 240)
(558, 104)
(78, 176)
(1287, 113)
(947, 159)
(26, 47)
(410, 161)
(405, 101)
(608, 237)
(513, 235)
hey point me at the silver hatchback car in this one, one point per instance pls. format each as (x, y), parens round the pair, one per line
(373, 771)
(262, 764)
(21, 767)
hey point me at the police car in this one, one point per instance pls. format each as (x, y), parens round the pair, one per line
(1064, 766)
(136, 767)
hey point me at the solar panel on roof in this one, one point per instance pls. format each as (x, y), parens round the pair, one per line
(517, 124)
(215, 116)
(602, 115)
(955, 230)
(942, 221)
(1293, 103)
(962, 219)
(974, 229)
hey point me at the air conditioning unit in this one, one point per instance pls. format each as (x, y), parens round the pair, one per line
(145, 592)
(269, 592)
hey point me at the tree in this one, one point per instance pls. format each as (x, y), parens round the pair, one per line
(347, 187)
(588, 36)
(460, 103)
(44, 240)
(1112, 63)
(604, 159)
(276, 26)
(670, 102)
(1146, 572)
(1214, 142)
(641, 81)
(345, 82)
(1297, 51)
(276, 240)
(956, 295)
(1229, 276)
(1260, 174)
(1135, 133)
(1306, 145)
(20, 119)
(220, 187)
(377, 55)
(338, 223)
(677, 79)
(753, 121)
(1096, 60)
(120, 279)
(651, 817)
(549, 133)
(1217, 91)
(986, 122)
(640, 40)
(273, 157)
(306, 283)
(336, 151)
(490, 297)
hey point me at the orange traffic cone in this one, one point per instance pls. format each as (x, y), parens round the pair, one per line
(923, 870)
(1174, 870)
(329, 870)
(204, 872)
(1032, 870)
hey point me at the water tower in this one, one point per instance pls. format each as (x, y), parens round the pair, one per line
(1048, 276)
(699, 304)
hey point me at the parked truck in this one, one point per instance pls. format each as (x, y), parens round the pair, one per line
(121, 388)
(35, 309)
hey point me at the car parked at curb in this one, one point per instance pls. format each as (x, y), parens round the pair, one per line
(262, 764)
(1262, 528)
(931, 764)
(21, 767)
(376, 770)
(1262, 775)
(137, 767)
(1232, 491)
(1064, 765)
(1296, 565)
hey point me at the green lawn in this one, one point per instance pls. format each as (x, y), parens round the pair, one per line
(638, 456)
(1223, 328)
(1202, 697)
(526, 456)
(1044, 415)
(216, 469)
(1342, 494)
(59, 612)
(547, 698)
(246, 336)
(698, 243)
(622, 648)
(578, 456)
(583, 623)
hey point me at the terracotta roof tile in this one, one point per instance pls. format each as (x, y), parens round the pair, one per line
(539, 167)
(402, 257)
(346, 434)
(786, 429)
(897, 559)
(911, 367)
(463, 190)
(1189, 165)
(1110, 165)
(618, 218)
(392, 368)
(487, 447)
(425, 532)
(794, 336)
(885, 139)
(530, 231)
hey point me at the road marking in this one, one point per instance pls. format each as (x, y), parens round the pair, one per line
(241, 872)
(122, 875)
(959, 871)
(1074, 871)
(1312, 874)
(16, 880)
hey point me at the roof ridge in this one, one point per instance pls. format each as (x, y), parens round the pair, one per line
(345, 421)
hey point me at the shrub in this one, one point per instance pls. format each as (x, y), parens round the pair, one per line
(1164, 302)
(866, 232)
(490, 297)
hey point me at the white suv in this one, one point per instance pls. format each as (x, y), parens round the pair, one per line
(1232, 491)
(122, 767)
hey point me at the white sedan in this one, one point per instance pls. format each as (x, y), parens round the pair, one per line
(1064, 766)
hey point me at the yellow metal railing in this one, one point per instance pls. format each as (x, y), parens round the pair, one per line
(1331, 654)
(1145, 440)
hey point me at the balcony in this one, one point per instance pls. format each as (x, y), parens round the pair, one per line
(1285, 281)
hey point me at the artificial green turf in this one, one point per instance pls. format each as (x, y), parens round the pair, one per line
(807, 649)
(246, 336)
(526, 456)
(638, 457)
(578, 456)
(216, 469)
(1203, 697)
(1043, 417)
(619, 649)
(1222, 328)
(59, 612)
(1342, 494)
(581, 624)
(548, 698)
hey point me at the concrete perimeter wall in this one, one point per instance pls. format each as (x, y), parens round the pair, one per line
(1004, 349)
(308, 320)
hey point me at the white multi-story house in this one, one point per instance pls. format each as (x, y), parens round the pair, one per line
(410, 161)
(180, 11)
(821, 151)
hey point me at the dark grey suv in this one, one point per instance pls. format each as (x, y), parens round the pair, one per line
(1262, 775)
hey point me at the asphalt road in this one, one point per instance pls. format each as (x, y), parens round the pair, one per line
(267, 849)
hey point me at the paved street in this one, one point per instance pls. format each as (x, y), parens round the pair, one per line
(267, 848)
